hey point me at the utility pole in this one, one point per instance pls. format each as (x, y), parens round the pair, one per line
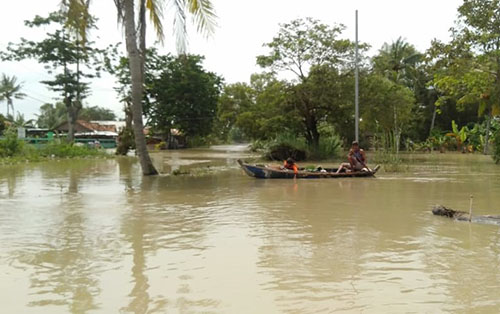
(356, 86)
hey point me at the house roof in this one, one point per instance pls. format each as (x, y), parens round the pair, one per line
(92, 126)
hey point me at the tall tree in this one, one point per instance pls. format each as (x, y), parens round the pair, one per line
(65, 55)
(398, 62)
(470, 72)
(9, 90)
(135, 38)
(51, 116)
(300, 47)
(96, 113)
(181, 94)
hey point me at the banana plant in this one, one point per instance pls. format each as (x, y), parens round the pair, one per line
(460, 135)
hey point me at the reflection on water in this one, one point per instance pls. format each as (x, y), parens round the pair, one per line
(95, 236)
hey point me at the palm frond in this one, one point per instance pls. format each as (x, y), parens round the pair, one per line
(156, 15)
(78, 17)
(119, 10)
(203, 15)
(180, 32)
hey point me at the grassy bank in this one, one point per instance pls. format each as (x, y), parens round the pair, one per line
(13, 150)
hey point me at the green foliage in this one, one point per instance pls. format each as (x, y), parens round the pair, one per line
(264, 114)
(10, 145)
(387, 110)
(51, 116)
(126, 141)
(328, 148)
(2, 124)
(320, 61)
(496, 147)
(59, 149)
(199, 141)
(64, 53)
(96, 113)
(161, 146)
(304, 43)
(234, 100)
(284, 146)
(10, 89)
(287, 145)
(14, 150)
(391, 162)
(181, 94)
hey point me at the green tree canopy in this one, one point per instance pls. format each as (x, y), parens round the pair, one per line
(181, 94)
(65, 57)
(96, 113)
(312, 51)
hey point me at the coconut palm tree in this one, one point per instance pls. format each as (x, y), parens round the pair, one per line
(135, 39)
(10, 89)
(397, 62)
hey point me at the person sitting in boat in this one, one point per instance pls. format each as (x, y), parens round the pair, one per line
(357, 159)
(290, 164)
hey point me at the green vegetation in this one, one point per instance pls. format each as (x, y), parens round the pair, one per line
(302, 103)
(180, 94)
(14, 150)
(63, 52)
(10, 89)
(496, 150)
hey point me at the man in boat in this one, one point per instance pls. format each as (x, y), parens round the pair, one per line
(357, 159)
(290, 164)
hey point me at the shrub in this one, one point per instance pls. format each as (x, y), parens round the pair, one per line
(328, 148)
(285, 146)
(496, 147)
(198, 141)
(161, 146)
(11, 145)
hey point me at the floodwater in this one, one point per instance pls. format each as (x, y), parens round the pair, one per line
(94, 236)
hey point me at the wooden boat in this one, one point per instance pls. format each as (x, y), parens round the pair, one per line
(267, 172)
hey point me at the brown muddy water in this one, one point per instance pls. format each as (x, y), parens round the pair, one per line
(94, 236)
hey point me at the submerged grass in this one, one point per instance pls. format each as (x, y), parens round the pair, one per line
(391, 162)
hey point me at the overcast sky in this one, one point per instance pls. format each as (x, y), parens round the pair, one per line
(243, 26)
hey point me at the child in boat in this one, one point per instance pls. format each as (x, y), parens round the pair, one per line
(357, 159)
(290, 165)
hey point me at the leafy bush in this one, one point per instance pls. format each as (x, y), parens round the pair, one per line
(161, 146)
(496, 147)
(13, 149)
(284, 146)
(328, 148)
(198, 141)
(391, 162)
(11, 145)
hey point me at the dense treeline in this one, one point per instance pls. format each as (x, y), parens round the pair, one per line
(444, 98)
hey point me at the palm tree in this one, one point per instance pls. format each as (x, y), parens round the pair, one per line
(397, 62)
(135, 39)
(9, 89)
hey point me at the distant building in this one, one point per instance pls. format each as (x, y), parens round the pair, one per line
(95, 129)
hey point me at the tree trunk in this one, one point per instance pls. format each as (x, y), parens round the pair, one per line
(487, 137)
(137, 88)
(433, 120)
(312, 136)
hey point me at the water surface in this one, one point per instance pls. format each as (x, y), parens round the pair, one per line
(94, 236)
